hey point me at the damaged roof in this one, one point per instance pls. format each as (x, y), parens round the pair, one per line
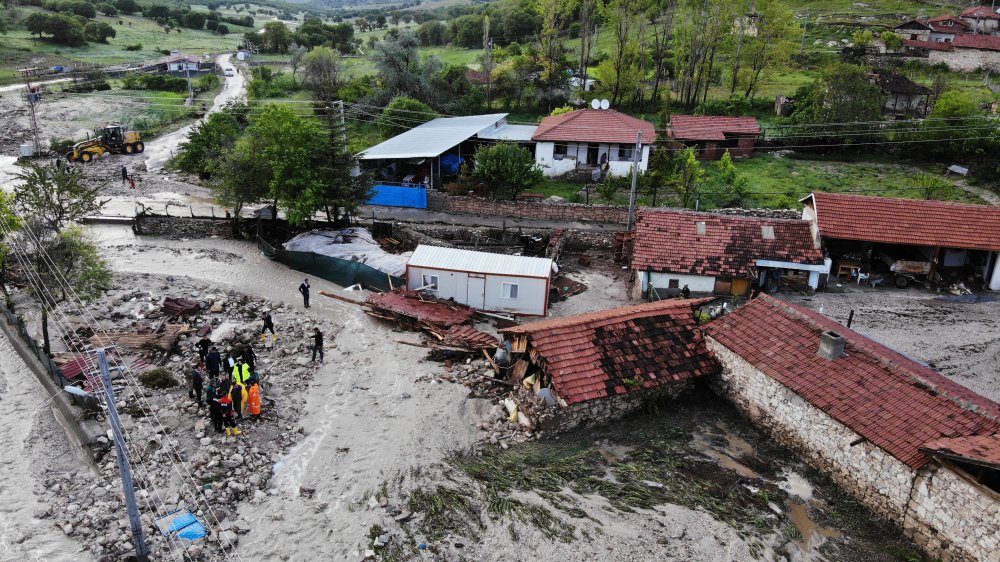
(718, 245)
(913, 222)
(617, 351)
(711, 127)
(895, 83)
(422, 309)
(892, 401)
(982, 450)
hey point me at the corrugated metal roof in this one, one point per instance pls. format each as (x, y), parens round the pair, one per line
(433, 138)
(516, 133)
(435, 257)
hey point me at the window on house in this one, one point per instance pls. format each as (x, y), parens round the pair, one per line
(508, 290)
(914, 36)
(430, 282)
(673, 284)
(767, 232)
(559, 151)
(625, 152)
(701, 227)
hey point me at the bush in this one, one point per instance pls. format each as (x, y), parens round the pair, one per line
(158, 378)
(60, 146)
(155, 82)
(107, 9)
(207, 82)
(136, 47)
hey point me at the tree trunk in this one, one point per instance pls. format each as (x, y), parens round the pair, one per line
(46, 346)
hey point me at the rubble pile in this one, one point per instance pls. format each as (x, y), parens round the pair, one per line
(180, 461)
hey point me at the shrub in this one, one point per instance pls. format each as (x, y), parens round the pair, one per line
(60, 146)
(158, 378)
(207, 82)
(136, 47)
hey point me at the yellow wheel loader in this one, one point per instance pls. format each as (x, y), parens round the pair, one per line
(110, 138)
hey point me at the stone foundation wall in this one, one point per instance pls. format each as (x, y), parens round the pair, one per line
(956, 520)
(952, 519)
(601, 411)
(182, 227)
(877, 478)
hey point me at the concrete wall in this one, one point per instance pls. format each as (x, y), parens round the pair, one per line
(531, 292)
(529, 210)
(951, 518)
(696, 283)
(966, 60)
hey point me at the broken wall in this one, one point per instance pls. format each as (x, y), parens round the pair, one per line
(182, 227)
(604, 410)
(935, 512)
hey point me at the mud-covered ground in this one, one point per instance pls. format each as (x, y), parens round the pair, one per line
(959, 340)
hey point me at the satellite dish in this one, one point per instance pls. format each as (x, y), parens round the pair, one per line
(596, 104)
(605, 104)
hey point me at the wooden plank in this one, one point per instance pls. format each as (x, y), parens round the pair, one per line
(490, 359)
(517, 373)
(340, 298)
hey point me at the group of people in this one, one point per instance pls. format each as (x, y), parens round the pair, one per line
(233, 385)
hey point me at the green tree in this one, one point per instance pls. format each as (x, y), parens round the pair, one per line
(689, 175)
(660, 173)
(107, 9)
(404, 113)
(892, 41)
(36, 23)
(54, 197)
(700, 32)
(321, 73)
(297, 52)
(10, 223)
(467, 31)
(98, 32)
(295, 159)
(193, 20)
(507, 168)
(276, 37)
(843, 93)
(562, 109)
(768, 48)
(932, 187)
(620, 72)
(726, 168)
(432, 33)
(211, 140)
(128, 6)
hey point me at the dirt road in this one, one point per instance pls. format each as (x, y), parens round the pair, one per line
(32, 448)
(160, 149)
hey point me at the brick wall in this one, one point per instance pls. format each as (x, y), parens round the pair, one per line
(518, 209)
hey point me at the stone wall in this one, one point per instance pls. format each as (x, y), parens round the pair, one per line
(604, 410)
(877, 478)
(950, 518)
(953, 518)
(181, 227)
(526, 210)
(966, 60)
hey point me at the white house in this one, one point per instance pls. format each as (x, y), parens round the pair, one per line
(586, 139)
(182, 63)
(484, 281)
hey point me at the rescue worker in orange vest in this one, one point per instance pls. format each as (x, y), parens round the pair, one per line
(253, 399)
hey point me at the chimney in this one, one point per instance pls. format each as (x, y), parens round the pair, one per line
(831, 345)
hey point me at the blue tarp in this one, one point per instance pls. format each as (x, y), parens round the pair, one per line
(399, 196)
(182, 524)
(450, 163)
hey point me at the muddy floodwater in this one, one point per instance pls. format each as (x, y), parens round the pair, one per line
(697, 453)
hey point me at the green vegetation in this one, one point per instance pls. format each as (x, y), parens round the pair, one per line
(158, 378)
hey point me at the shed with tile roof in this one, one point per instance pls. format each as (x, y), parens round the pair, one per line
(713, 135)
(619, 357)
(956, 238)
(721, 254)
(878, 422)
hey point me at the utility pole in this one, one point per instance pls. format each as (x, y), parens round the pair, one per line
(187, 73)
(488, 61)
(141, 550)
(636, 155)
(342, 128)
(32, 97)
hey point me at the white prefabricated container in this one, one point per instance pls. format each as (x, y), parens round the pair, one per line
(27, 150)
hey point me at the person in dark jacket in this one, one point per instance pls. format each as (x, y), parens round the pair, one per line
(304, 289)
(236, 394)
(213, 362)
(204, 344)
(317, 344)
(124, 174)
(250, 357)
(197, 380)
(215, 408)
(268, 325)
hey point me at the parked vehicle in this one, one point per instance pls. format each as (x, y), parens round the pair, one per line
(230, 72)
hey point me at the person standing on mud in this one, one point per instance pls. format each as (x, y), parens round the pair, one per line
(250, 357)
(268, 325)
(213, 361)
(215, 408)
(131, 180)
(317, 344)
(197, 380)
(304, 289)
(124, 174)
(204, 344)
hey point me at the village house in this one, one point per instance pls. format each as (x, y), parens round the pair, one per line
(980, 19)
(914, 30)
(906, 239)
(945, 28)
(421, 156)
(903, 96)
(965, 43)
(587, 140)
(712, 135)
(482, 280)
(713, 254)
(599, 366)
(907, 442)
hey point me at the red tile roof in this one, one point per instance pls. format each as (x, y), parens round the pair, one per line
(984, 12)
(907, 221)
(981, 42)
(977, 449)
(669, 241)
(711, 127)
(590, 356)
(894, 402)
(421, 309)
(942, 19)
(932, 45)
(594, 125)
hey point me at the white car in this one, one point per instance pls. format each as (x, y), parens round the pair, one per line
(230, 72)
